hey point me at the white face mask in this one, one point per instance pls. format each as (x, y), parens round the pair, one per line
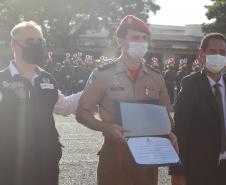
(137, 49)
(215, 63)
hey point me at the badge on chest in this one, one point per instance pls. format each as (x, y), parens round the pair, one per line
(117, 88)
(46, 84)
(148, 90)
(17, 87)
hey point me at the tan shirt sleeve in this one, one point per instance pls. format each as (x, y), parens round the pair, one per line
(94, 91)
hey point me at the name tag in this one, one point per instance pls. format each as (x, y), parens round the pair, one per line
(117, 88)
(47, 86)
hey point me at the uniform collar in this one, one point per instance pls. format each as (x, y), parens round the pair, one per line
(121, 67)
(145, 68)
(14, 71)
(212, 82)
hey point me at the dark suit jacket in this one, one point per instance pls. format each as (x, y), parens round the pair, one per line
(197, 127)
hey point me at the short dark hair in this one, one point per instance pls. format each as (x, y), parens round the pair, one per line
(205, 41)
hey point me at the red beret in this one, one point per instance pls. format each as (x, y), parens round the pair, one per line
(133, 23)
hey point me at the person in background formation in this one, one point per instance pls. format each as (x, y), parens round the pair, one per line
(170, 79)
(71, 73)
(78, 69)
(196, 66)
(182, 72)
(67, 73)
(155, 63)
(49, 66)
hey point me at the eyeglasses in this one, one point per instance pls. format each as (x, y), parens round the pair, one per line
(31, 41)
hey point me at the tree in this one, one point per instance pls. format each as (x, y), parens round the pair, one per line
(60, 18)
(217, 12)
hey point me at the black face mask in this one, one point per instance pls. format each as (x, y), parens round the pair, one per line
(33, 53)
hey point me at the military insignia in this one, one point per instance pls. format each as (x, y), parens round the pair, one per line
(117, 88)
(17, 87)
(106, 64)
(45, 81)
(153, 69)
(92, 78)
(5, 84)
(147, 90)
(12, 85)
(46, 84)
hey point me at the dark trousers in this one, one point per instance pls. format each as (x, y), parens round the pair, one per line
(218, 177)
(170, 90)
(30, 175)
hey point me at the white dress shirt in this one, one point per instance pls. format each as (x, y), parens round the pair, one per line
(65, 105)
(222, 90)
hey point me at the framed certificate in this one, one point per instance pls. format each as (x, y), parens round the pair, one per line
(150, 127)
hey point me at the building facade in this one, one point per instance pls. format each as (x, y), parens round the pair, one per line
(177, 42)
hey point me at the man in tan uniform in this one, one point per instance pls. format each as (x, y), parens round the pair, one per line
(127, 78)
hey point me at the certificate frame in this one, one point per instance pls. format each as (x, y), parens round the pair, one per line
(154, 164)
(166, 136)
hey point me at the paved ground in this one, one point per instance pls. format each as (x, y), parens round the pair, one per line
(79, 161)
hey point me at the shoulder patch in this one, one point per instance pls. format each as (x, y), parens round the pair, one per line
(91, 78)
(152, 68)
(106, 64)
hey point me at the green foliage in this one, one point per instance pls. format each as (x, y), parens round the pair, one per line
(59, 18)
(217, 12)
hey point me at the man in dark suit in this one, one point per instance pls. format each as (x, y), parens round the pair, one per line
(200, 116)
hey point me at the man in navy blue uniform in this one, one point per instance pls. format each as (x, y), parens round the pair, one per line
(29, 142)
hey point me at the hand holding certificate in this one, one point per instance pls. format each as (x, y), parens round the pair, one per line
(150, 127)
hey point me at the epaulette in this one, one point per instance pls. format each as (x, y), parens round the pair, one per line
(153, 69)
(106, 64)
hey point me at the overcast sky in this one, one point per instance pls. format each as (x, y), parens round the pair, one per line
(180, 12)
